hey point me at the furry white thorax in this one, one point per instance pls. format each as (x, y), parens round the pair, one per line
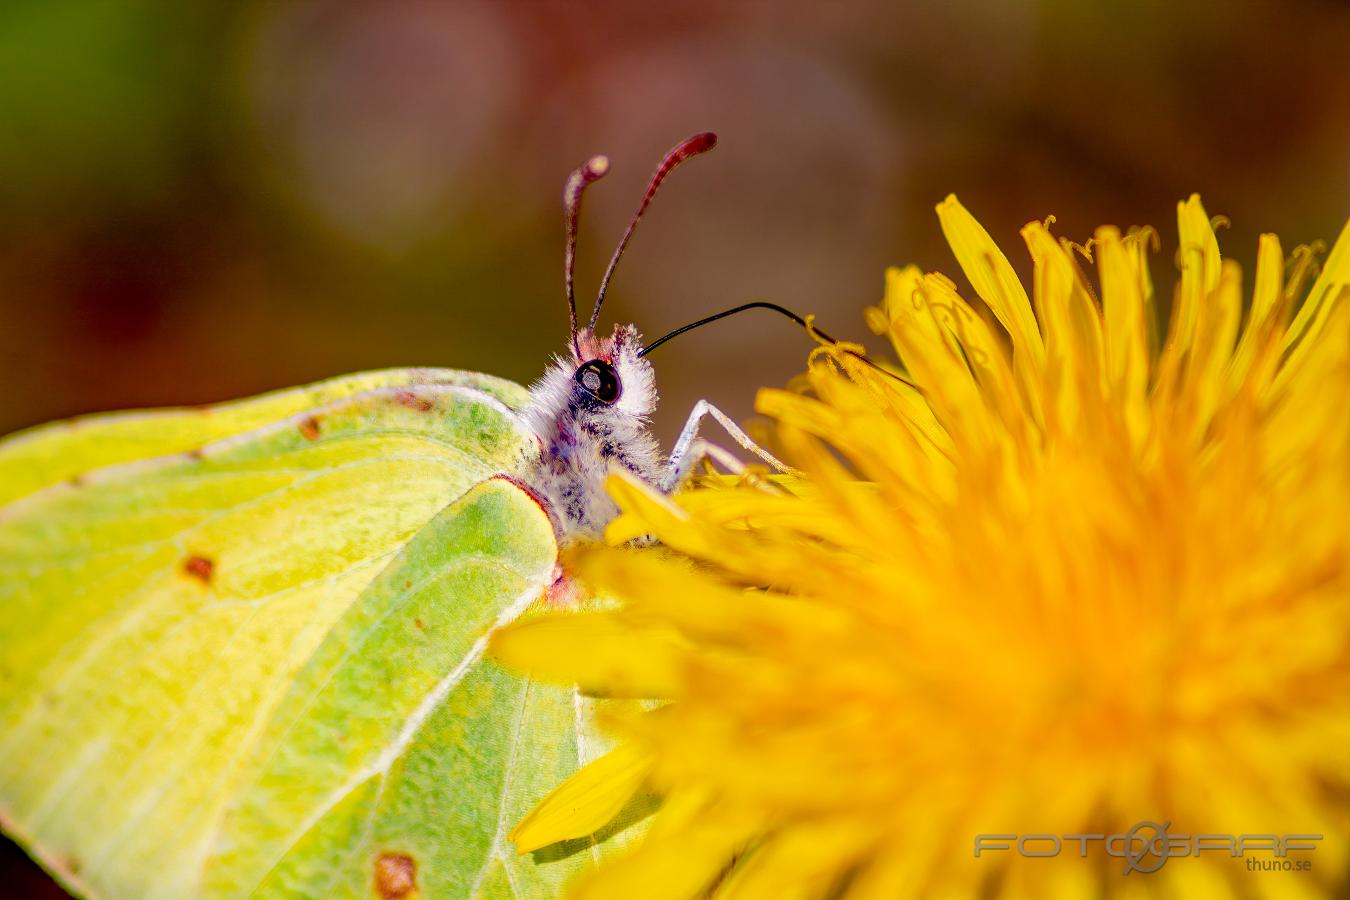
(583, 440)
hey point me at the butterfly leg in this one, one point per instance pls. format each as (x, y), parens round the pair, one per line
(690, 448)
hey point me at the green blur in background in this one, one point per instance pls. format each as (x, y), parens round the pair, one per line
(201, 201)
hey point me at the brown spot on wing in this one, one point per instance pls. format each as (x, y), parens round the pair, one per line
(412, 401)
(309, 428)
(395, 875)
(200, 568)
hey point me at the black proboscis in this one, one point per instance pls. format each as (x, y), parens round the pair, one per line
(781, 310)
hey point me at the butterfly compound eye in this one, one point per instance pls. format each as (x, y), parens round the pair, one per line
(600, 380)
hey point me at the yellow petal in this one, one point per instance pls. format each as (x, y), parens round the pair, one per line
(692, 601)
(1072, 331)
(976, 347)
(678, 530)
(991, 275)
(585, 802)
(650, 510)
(1269, 277)
(599, 651)
(1126, 310)
(1198, 257)
(1335, 276)
(804, 862)
(1331, 287)
(1216, 328)
(1267, 312)
(681, 866)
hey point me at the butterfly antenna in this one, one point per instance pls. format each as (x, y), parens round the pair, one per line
(699, 143)
(590, 171)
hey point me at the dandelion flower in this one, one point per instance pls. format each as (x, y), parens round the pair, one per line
(1066, 576)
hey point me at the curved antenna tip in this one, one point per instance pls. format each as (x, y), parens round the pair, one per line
(700, 143)
(597, 166)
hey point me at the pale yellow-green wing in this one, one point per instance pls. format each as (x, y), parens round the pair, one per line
(55, 452)
(255, 667)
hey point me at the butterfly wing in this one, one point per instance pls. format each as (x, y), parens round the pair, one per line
(52, 453)
(255, 664)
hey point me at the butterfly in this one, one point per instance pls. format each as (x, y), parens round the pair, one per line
(242, 646)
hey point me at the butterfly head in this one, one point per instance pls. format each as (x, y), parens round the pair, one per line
(610, 374)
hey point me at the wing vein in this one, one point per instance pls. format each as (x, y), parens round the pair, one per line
(494, 850)
(423, 711)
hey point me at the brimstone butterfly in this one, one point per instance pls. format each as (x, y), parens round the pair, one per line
(241, 646)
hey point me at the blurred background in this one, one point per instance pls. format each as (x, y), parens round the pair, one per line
(201, 201)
